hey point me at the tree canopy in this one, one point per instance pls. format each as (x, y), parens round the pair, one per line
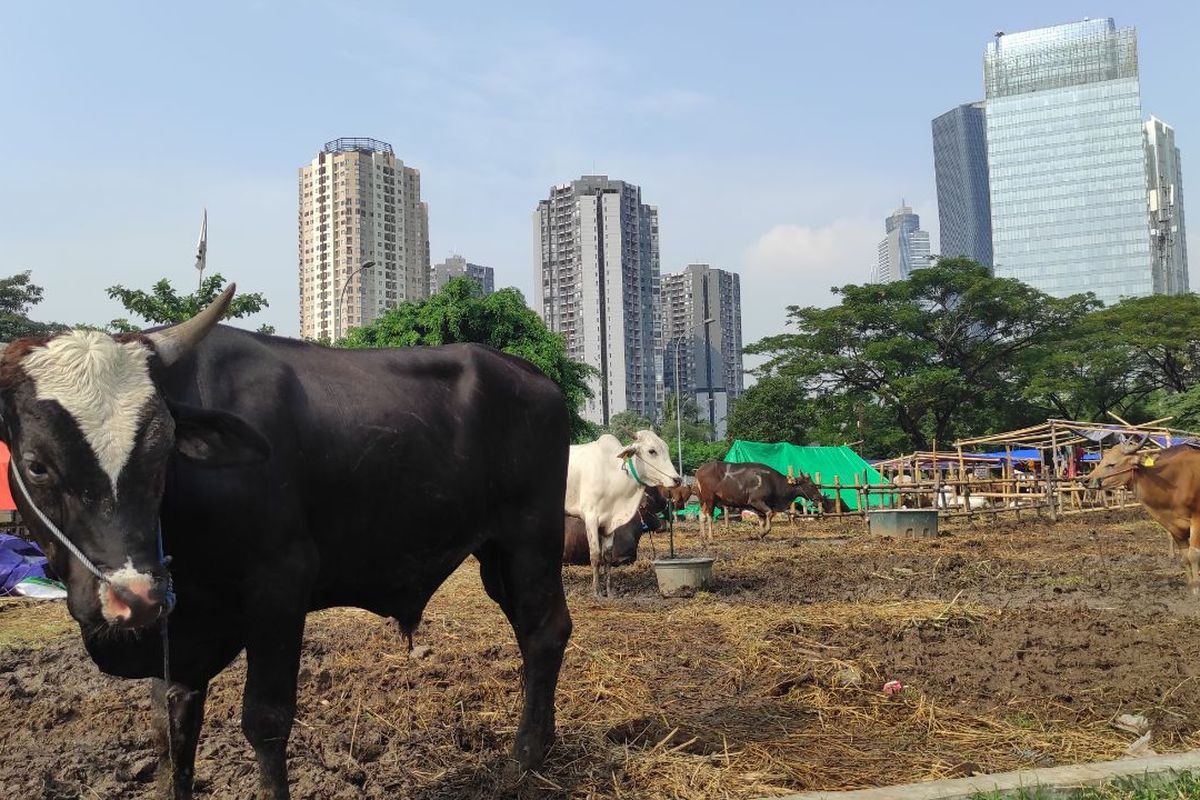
(18, 295)
(775, 409)
(163, 305)
(460, 312)
(625, 424)
(935, 356)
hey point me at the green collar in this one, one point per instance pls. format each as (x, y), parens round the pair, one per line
(632, 470)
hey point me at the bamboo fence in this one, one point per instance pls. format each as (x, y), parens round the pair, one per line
(949, 480)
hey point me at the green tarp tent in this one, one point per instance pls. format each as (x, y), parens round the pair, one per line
(827, 462)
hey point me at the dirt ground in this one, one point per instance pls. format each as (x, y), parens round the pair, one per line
(1018, 645)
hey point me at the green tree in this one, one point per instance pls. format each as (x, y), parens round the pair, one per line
(935, 356)
(692, 422)
(1184, 407)
(1085, 374)
(461, 313)
(1162, 336)
(162, 305)
(698, 444)
(696, 452)
(625, 425)
(1138, 357)
(19, 294)
(775, 409)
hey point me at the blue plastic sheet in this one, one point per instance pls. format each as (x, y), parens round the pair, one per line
(22, 565)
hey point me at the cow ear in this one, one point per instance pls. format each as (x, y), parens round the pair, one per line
(627, 452)
(215, 438)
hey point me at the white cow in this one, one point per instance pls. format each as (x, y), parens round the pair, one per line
(948, 498)
(605, 483)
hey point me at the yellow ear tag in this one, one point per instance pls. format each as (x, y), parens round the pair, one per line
(1148, 461)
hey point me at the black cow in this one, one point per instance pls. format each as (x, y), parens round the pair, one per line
(748, 485)
(288, 477)
(625, 537)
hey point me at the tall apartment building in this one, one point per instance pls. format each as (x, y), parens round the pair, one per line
(1168, 240)
(903, 249)
(456, 266)
(596, 281)
(358, 203)
(706, 357)
(960, 165)
(1067, 161)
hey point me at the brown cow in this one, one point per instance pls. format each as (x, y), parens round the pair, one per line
(625, 538)
(676, 496)
(751, 486)
(1167, 483)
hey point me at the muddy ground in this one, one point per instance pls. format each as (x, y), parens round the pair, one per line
(1018, 644)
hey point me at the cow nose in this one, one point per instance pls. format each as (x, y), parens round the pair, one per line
(133, 603)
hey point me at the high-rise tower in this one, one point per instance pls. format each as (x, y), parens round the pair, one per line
(359, 204)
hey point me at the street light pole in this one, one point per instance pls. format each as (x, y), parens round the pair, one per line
(678, 445)
(346, 285)
(678, 422)
(712, 415)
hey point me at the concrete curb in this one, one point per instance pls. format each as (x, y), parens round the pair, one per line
(1053, 781)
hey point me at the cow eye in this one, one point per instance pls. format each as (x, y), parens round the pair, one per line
(37, 471)
(653, 452)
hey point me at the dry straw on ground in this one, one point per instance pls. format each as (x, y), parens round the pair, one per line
(1018, 646)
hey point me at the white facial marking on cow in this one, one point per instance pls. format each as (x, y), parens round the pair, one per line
(102, 383)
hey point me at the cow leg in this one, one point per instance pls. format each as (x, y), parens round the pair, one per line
(177, 735)
(608, 557)
(1193, 556)
(528, 588)
(275, 633)
(592, 526)
(709, 523)
(765, 523)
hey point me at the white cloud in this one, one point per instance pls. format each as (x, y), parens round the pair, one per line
(797, 265)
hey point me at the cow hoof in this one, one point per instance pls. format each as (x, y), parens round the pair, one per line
(529, 752)
(511, 773)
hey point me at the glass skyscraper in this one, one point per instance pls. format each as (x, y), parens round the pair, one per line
(1067, 162)
(905, 248)
(960, 162)
(1168, 237)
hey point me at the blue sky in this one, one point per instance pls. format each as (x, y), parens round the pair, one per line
(773, 137)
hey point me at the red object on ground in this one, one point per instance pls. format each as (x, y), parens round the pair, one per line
(6, 499)
(893, 687)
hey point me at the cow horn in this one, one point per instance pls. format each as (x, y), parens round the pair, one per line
(174, 342)
(1133, 445)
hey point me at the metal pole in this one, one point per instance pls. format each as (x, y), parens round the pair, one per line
(346, 285)
(678, 422)
(678, 449)
(712, 414)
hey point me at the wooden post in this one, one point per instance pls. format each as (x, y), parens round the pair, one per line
(1051, 471)
(964, 486)
(937, 477)
(1012, 475)
(820, 506)
(837, 492)
(862, 492)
